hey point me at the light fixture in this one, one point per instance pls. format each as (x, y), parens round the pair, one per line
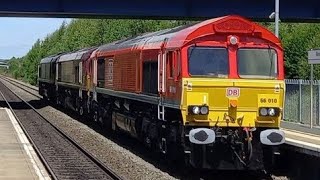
(204, 110)
(196, 110)
(233, 40)
(263, 111)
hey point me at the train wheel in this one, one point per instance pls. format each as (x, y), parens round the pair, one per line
(81, 111)
(57, 101)
(105, 119)
(100, 120)
(95, 116)
(113, 123)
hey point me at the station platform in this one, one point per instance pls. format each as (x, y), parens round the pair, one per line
(18, 159)
(302, 139)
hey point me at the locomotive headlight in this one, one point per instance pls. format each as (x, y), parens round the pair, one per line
(263, 111)
(204, 110)
(196, 110)
(271, 111)
(233, 40)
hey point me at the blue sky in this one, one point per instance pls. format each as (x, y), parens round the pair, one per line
(17, 35)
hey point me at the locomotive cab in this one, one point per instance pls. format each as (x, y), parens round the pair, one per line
(253, 99)
(233, 95)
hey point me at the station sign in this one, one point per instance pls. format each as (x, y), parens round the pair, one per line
(314, 56)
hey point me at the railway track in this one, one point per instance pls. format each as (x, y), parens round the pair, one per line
(18, 82)
(62, 156)
(29, 89)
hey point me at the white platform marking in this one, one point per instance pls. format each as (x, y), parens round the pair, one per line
(40, 171)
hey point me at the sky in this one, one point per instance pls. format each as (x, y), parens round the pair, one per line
(17, 35)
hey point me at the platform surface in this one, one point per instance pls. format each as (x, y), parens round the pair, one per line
(18, 159)
(303, 142)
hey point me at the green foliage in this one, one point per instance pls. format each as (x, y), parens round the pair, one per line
(297, 40)
(81, 33)
(15, 67)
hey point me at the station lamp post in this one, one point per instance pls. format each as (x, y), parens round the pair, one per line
(275, 15)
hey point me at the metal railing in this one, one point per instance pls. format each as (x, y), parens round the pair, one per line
(298, 102)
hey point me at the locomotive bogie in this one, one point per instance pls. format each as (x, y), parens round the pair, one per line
(67, 97)
(46, 90)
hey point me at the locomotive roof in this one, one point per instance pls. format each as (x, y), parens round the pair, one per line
(50, 59)
(76, 55)
(127, 42)
(178, 36)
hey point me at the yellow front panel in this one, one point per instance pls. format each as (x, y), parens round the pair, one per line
(226, 106)
(197, 98)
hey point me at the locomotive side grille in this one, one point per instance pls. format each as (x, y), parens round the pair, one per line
(125, 72)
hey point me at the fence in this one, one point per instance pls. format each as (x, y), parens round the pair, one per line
(297, 102)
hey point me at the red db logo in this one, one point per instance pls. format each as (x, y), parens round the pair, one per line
(233, 92)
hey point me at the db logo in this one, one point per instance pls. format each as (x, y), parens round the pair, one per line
(233, 92)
